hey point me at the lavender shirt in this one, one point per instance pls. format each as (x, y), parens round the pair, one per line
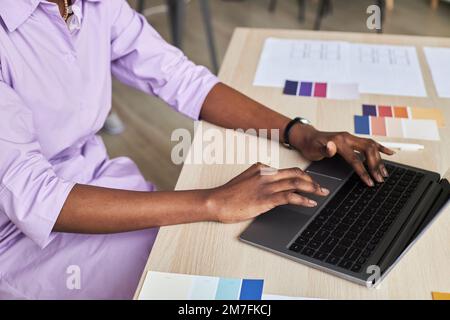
(55, 93)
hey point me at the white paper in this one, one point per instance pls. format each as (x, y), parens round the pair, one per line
(420, 129)
(166, 286)
(378, 69)
(273, 297)
(439, 63)
(387, 70)
(315, 61)
(343, 91)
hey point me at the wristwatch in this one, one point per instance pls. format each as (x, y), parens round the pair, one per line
(292, 123)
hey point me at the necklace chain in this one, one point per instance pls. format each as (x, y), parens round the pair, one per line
(66, 10)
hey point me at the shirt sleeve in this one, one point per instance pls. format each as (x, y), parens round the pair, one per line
(31, 194)
(142, 59)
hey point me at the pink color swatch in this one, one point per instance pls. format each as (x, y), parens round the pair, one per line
(320, 90)
(378, 126)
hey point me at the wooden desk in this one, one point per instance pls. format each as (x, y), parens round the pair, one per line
(214, 249)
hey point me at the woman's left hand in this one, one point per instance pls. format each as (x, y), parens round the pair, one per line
(316, 145)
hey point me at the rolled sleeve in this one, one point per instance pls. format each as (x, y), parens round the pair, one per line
(142, 59)
(31, 194)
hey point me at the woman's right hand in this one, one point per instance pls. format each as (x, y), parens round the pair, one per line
(260, 189)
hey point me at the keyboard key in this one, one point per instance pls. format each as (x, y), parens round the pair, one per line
(366, 253)
(339, 251)
(346, 242)
(320, 256)
(361, 261)
(321, 236)
(356, 229)
(329, 226)
(338, 233)
(295, 247)
(351, 235)
(334, 220)
(356, 268)
(314, 244)
(348, 220)
(364, 237)
(332, 260)
(346, 264)
(308, 252)
(353, 254)
(339, 214)
(307, 234)
(301, 241)
(360, 244)
(329, 245)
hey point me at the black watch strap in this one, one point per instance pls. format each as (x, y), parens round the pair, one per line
(289, 126)
(287, 131)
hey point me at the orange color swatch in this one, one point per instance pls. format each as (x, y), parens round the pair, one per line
(401, 112)
(440, 296)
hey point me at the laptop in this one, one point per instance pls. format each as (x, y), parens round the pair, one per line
(356, 231)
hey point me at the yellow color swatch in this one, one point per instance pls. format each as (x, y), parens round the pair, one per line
(429, 114)
(440, 296)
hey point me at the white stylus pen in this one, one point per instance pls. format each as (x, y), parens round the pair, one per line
(403, 146)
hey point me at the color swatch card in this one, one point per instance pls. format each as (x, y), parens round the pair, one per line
(439, 63)
(339, 91)
(377, 69)
(172, 286)
(397, 127)
(441, 296)
(404, 112)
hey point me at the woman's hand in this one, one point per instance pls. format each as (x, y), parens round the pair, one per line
(260, 189)
(316, 145)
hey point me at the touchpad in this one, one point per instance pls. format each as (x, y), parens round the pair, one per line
(335, 167)
(328, 175)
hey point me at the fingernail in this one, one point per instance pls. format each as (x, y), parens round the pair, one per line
(312, 203)
(325, 191)
(385, 172)
(370, 182)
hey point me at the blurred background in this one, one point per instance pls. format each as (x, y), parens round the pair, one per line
(203, 28)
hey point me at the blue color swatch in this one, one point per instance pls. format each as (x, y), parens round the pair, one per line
(228, 289)
(306, 89)
(369, 110)
(251, 289)
(362, 125)
(291, 88)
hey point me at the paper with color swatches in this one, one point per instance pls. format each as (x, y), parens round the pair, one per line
(339, 91)
(404, 112)
(396, 127)
(171, 286)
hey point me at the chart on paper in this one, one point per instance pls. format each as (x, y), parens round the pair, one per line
(377, 69)
(313, 61)
(387, 70)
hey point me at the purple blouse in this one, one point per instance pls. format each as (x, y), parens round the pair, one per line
(55, 93)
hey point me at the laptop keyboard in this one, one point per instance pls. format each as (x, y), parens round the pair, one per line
(351, 226)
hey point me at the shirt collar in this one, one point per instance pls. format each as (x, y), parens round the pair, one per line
(15, 12)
